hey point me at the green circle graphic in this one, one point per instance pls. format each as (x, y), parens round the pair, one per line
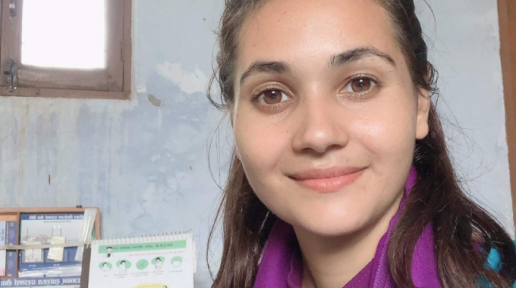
(109, 265)
(142, 264)
(176, 261)
(127, 264)
(160, 258)
(177, 258)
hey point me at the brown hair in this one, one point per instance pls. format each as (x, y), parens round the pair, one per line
(459, 224)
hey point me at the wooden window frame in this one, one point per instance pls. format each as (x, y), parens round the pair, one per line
(507, 21)
(114, 82)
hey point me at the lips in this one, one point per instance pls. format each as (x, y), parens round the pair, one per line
(327, 180)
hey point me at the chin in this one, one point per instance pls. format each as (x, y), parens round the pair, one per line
(331, 225)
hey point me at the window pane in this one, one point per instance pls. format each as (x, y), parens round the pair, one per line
(64, 33)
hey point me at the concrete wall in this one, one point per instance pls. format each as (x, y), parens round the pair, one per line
(144, 161)
(464, 44)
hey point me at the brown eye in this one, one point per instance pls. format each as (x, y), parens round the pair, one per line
(273, 96)
(361, 85)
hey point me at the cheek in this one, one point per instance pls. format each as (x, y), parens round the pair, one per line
(262, 148)
(388, 131)
(260, 144)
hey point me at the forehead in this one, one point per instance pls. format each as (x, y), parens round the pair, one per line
(293, 30)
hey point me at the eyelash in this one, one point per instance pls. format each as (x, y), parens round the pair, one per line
(349, 81)
(259, 93)
(376, 85)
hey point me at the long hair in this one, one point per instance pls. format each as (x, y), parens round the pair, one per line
(464, 233)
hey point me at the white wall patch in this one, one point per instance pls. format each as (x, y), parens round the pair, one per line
(188, 82)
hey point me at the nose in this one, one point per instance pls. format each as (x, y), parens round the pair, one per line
(321, 125)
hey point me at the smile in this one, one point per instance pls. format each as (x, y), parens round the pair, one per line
(327, 180)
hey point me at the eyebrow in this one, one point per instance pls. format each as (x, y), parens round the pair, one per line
(279, 67)
(274, 67)
(358, 54)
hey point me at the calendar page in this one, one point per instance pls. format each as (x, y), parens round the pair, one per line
(146, 262)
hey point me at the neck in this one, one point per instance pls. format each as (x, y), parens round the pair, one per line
(330, 262)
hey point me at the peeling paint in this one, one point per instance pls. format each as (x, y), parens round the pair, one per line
(155, 101)
(188, 82)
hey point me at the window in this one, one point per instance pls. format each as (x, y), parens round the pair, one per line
(65, 48)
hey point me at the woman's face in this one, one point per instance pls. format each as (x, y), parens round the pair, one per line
(325, 114)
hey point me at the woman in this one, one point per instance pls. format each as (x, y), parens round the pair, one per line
(340, 175)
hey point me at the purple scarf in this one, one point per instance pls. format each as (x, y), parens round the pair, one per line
(280, 266)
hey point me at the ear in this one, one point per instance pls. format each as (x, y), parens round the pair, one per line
(423, 109)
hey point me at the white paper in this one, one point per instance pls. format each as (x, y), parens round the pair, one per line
(56, 253)
(150, 262)
(33, 255)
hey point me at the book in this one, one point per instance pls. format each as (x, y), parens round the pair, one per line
(12, 239)
(145, 262)
(10, 265)
(12, 233)
(61, 282)
(3, 253)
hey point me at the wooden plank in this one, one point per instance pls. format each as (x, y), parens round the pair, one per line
(11, 37)
(41, 210)
(115, 45)
(34, 210)
(74, 79)
(64, 93)
(507, 22)
(1, 21)
(128, 46)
